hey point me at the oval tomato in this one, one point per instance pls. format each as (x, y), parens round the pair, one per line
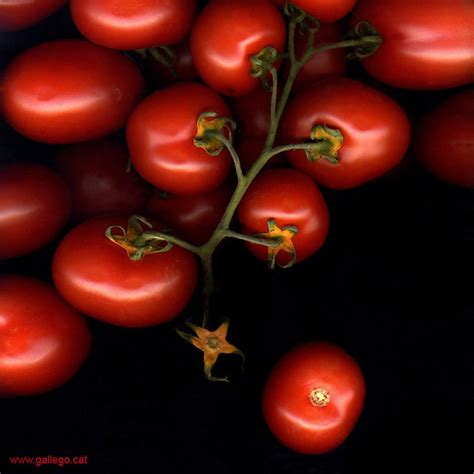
(426, 44)
(313, 397)
(444, 140)
(375, 131)
(15, 16)
(68, 91)
(97, 277)
(290, 198)
(160, 136)
(97, 176)
(332, 62)
(224, 37)
(129, 24)
(34, 206)
(323, 10)
(43, 341)
(193, 218)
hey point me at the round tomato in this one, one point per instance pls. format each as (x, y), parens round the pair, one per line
(193, 218)
(18, 15)
(160, 136)
(129, 24)
(43, 341)
(97, 176)
(314, 397)
(289, 198)
(444, 140)
(34, 207)
(68, 91)
(323, 10)
(375, 131)
(426, 44)
(224, 37)
(98, 278)
(332, 62)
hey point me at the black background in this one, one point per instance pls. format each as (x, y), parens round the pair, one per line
(392, 285)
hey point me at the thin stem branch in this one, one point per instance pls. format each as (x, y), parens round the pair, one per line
(233, 153)
(252, 239)
(274, 74)
(176, 241)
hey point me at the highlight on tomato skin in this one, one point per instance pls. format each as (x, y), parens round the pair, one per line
(373, 131)
(90, 95)
(101, 279)
(35, 205)
(444, 140)
(313, 397)
(19, 15)
(131, 25)
(221, 52)
(43, 341)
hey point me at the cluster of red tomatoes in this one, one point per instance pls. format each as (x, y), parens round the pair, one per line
(81, 94)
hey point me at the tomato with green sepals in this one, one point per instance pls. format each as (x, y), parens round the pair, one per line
(313, 397)
(323, 10)
(284, 205)
(360, 133)
(43, 341)
(224, 37)
(68, 91)
(426, 44)
(444, 140)
(130, 25)
(162, 133)
(118, 272)
(35, 204)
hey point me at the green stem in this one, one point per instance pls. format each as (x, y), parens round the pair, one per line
(233, 153)
(274, 74)
(252, 239)
(174, 240)
(352, 43)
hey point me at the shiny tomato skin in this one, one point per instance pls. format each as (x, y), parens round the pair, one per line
(376, 131)
(291, 416)
(444, 140)
(332, 62)
(34, 207)
(90, 94)
(160, 136)
(97, 277)
(193, 218)
(224, 37)
(43, 341)
(129, 25)
(97, 177)
(290, 198)
(426, 44)
(18, 15)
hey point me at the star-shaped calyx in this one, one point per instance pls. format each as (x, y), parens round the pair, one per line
(212, 343)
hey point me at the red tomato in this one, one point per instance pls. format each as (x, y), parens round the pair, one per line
(132, 24)
(160, 136)
(97, 277)
(96, 173)
(375, 131)
(290, 198)
(444, 140)
(191, 218)
(68, 91)
(323, 10)
(426, 44)
(332, 62)
(224, 37)
(34, 207)
(43, 341)
(314, 397)
(182, 65)
(18, 15)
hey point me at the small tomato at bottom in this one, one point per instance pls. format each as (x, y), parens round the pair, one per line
(98, 277)
(314, 397)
